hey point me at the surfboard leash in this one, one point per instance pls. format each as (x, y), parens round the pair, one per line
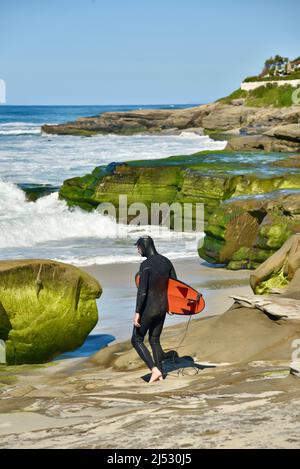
(181, 371)
(183, 337)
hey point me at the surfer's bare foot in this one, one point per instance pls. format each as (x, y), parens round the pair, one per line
(156, 375)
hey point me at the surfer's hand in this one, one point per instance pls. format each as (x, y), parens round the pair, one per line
(136, 320)
(171, 314)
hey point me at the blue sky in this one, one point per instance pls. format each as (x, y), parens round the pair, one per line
(139, 52)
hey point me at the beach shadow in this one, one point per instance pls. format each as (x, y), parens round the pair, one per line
(92, 344)
(183, 365)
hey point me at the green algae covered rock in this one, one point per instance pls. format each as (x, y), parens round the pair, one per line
(277, 280)
(46, 308)
(191, 178)
(244, 232)
(275, 229)
(280, 273)
(245, 220)
(174, 179)
(230, 229)
(139, 184)
(252, 185)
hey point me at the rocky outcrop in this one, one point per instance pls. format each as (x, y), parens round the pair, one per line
(35, 191)
(247, 216)
(243, 232)
(289, 132)
(262, 143)
(280, 273)
(275, 306)
(161, 184)
(46, 308)
(127, 123)
(211, 117)
(178, 179)
(279, 138)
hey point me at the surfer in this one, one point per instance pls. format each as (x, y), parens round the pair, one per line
(151, 304)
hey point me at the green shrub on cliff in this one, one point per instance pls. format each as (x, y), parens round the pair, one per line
(270, 95)
(265, 95)
(291, 76)
(237, 94)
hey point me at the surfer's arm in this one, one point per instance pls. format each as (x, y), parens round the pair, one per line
(174, 276)
(173, 273)
(142, 290)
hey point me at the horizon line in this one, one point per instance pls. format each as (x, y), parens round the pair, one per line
(119, 104)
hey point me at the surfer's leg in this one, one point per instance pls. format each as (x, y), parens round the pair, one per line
(137, 341)
(154, 340)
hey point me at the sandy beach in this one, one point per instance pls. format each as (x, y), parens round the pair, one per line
(228, 385)
(78, 404)
(126, 133)
(220, 407)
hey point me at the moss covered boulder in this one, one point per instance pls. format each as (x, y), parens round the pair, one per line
(46, 308)
(245, 231)
(231, 231)
(280, 273)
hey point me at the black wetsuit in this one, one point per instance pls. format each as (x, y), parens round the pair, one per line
(152, 304)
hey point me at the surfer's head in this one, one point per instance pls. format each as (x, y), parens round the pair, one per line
(145, 245)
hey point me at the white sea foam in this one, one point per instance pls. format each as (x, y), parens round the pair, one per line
(52, 159)
(185, 134)
(20, 128)
(114, 259)
(24, 223)
(48, 228)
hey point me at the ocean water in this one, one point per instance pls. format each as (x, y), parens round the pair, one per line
(27, 155)
(47, 228)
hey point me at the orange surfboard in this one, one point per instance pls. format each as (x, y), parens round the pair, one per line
(182, 299)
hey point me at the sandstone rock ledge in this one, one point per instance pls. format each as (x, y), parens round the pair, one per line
(214, 117)
(283, 138)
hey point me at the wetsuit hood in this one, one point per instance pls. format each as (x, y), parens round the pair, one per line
(146, 244)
